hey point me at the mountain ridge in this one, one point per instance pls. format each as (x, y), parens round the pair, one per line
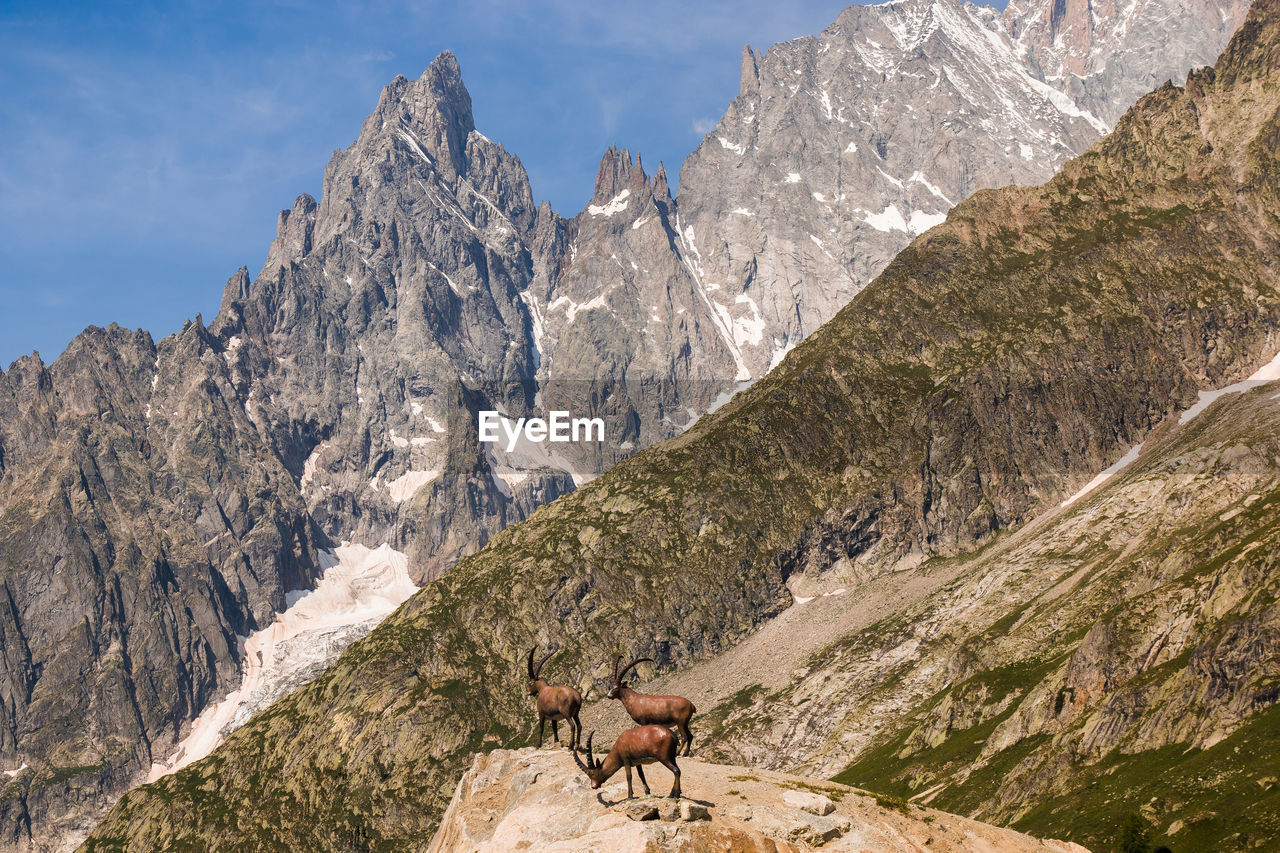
(995, 366)
(423, 286)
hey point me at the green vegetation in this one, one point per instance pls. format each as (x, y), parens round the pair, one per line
(832, 792)
(1226, 797)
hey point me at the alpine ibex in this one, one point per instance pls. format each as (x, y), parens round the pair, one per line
(652, 710)
(555, 702)
(633, 748)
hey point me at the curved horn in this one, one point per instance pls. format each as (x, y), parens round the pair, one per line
(531, 651)
(632, 666)
(591, 756)
(617, 660)
(579, 760)
(537, 670)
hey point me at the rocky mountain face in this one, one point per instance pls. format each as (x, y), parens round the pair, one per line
(1105, 55)
(998, 364)
(842, 147)
(144, 527)
(538, 799)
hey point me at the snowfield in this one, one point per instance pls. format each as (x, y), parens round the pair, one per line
(360, 587)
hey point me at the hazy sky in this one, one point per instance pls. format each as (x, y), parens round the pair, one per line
(148, 147)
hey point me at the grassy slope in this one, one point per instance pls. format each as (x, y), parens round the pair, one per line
(999, 358)
(1180, 619)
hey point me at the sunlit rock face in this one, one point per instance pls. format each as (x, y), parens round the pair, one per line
(158, 500)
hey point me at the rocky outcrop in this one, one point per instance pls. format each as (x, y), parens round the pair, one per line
(994, 367)
(534, 799)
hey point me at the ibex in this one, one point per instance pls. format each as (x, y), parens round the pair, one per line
(555, 702)
(652, 710)
(633, 748)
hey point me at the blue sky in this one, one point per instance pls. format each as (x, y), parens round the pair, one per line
(149, 146)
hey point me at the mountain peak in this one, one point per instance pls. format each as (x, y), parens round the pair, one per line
(618, 172)
(434, 110)
(749, 77)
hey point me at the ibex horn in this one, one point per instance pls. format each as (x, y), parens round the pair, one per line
(531, 651)
(591, 756)
(630, 667)
(537, 670)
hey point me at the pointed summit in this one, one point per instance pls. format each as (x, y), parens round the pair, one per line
(432, 112)
(293, 232)
(749, 78)
(617, 172)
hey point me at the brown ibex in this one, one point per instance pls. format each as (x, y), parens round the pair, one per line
(652, 710)
(633, 748)
(555, 702)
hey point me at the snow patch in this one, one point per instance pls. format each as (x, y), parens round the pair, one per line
(891, 179)
(919, 178)
(732, 146)
(792, 178)
(779, 352)
(617, 204)
(453, 285)
(821, 247)
(1106, 474)
(725, 396)
(921, 222)
(407, 485)
(890, 219)
(359, 588)
(408, 137)
(1027, 152)
(748, 330)
(572, 309)
(1267, 373)
(742, 211)
(692, 260)
(309, 467)
(536, 326)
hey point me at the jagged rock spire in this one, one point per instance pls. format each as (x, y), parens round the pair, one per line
(618, 172)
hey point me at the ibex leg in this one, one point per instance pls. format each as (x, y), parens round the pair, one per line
(627, 767)
(675, 789)
(555, 732)
(640, 772)
(686, 737)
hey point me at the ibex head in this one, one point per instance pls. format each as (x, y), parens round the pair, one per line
(535, 681)
(592, 768)
(615, 689)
